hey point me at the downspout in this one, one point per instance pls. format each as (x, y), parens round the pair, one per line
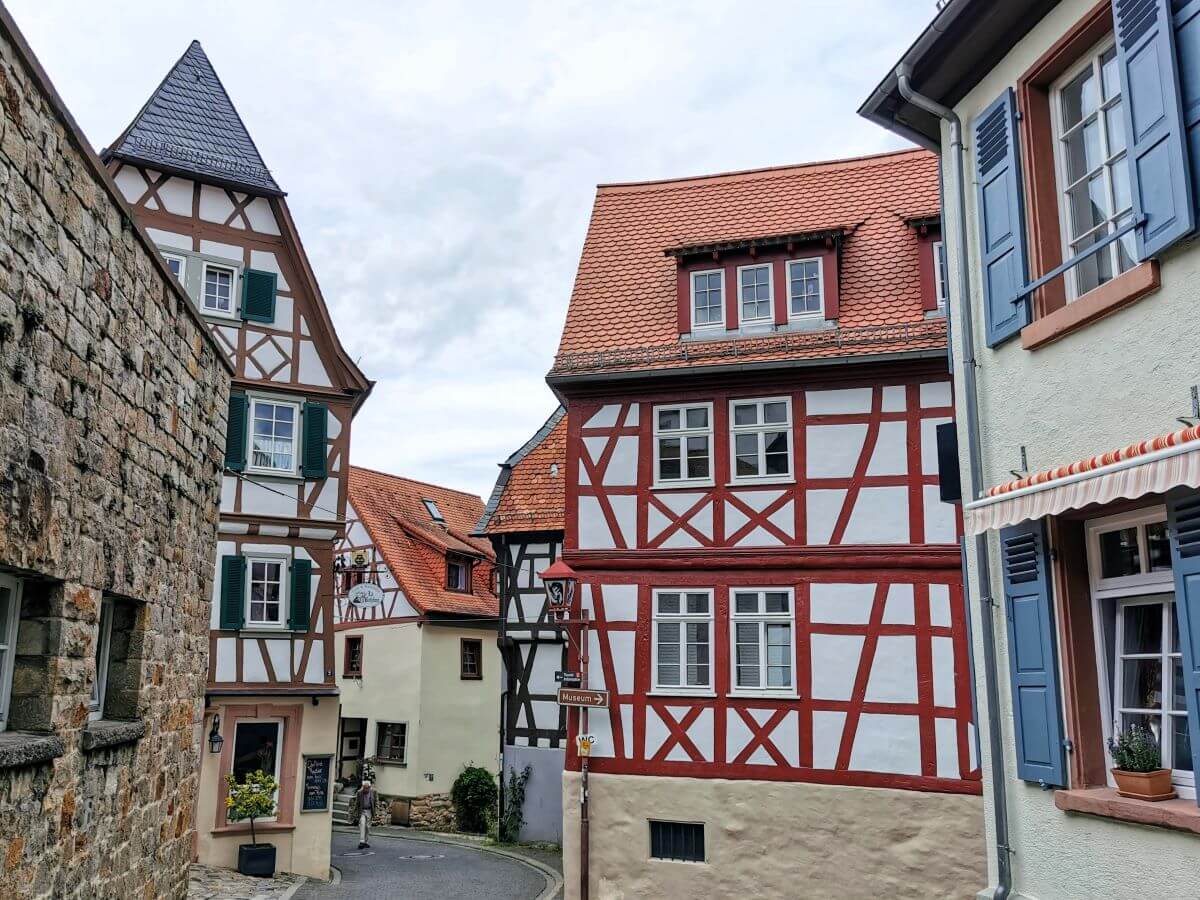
(987, 605)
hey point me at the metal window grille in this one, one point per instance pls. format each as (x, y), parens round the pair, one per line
(682, 841)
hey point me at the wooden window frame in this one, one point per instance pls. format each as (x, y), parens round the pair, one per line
(103, 647)
(762, 618)
(1052, 316)
(284, 562)
(453, 560)
(760, 430)
(682, 434)
(683, 618)
(380, 730)
(719, 325)
(348, 672)
(9, 640)
(253, 400)
(769, 318)
(819, 313)
(463, 674)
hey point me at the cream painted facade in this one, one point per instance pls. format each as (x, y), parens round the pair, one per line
(1136, 367)
(774, 839)
(303, 847)
(411, 675)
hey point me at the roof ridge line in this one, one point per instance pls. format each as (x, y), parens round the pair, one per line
(842, 162)
(440, 487)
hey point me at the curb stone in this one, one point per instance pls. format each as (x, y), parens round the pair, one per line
(554, 881)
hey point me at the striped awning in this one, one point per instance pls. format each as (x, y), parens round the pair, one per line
(1150, 467)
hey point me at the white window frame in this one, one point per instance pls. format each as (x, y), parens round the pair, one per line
(769, 318)
(683, 618)
(103, 645)
(8, 643)
(280, 730)
(806, 316)
(284, 593)
(1147, 586)
(941, 276)
(683, 433)
(760, 429)
(1090, 59)
(1183, 781)
(763, 619)
(297, 427)
(179, 258)
(233, 290)
(465, 566)
(708, 326)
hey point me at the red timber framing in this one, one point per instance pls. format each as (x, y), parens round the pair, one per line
(881, 683)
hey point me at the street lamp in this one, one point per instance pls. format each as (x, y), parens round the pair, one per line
(214, 736)
(560, 580)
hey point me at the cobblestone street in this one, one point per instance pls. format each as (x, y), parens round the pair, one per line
(211, 883)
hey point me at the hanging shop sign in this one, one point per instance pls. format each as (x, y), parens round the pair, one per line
(365, 595)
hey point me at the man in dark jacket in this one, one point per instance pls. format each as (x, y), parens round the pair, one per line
(366, 808)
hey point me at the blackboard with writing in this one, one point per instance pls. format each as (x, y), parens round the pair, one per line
(316, 782)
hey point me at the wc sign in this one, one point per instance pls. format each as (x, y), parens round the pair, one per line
(584, 742)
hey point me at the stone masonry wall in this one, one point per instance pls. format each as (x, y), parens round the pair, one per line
(434, 812)
(112, 408)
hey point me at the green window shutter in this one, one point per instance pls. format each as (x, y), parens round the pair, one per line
(301, 586)
(316, 432)
(233, 592)
(258, 296)
(235, 433)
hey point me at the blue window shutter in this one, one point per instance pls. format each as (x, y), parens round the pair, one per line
(301, 595)
(314, 452)
(1001, 219)
(1183, 524)
(1187, 58)
(1032, 661)
(1154, 126)
(233, 592)
(235, 433)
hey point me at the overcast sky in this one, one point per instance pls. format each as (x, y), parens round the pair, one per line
(441, 159)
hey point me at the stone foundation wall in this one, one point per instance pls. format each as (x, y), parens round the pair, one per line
(112, 408)
(434, 812)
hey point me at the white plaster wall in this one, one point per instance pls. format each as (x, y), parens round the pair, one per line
(1116, 381)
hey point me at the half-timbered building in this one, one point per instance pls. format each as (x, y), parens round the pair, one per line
(754, 368)
(415, 617)
(524, 520)
(196, 182)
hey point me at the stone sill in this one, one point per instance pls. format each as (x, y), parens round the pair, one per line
(389, 762)
(103, 733)
(1127, 287)
(22, 748)
(259, 828)
(1178, 814)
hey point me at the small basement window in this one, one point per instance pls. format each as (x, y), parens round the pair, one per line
(681, 841)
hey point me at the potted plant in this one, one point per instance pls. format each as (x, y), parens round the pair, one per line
(1138, 766)
(253, 799)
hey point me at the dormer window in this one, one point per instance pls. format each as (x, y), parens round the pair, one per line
(708, 299)
(805, 296)
(941, 289)
(434, 512)
(177, 264)
(458, 574)
(754, 292)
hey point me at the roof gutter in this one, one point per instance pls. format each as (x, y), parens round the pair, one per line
(987, 606)
(561, 380)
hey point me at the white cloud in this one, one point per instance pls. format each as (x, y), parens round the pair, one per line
(441, 159)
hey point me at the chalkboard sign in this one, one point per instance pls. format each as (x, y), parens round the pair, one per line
(316, 783)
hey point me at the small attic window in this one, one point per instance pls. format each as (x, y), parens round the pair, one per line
(434, 512)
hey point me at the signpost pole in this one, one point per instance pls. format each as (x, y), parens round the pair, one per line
(583, 729)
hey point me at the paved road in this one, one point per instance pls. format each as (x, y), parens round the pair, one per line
(423, 870)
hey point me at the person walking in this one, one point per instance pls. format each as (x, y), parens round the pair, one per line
(366, 808)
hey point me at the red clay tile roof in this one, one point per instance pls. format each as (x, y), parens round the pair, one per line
(622, 314)
(530, 493)
(414, 547)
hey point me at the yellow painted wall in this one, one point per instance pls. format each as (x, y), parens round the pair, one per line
(411, 675)
(305, 849)
(775, 839)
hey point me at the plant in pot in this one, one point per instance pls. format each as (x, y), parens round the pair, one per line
(1138, 767)
(253, 799)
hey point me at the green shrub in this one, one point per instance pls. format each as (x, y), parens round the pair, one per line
(474, 798)
(1136, 750)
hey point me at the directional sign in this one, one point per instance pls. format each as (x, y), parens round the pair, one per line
(566, 676)
(582, 697)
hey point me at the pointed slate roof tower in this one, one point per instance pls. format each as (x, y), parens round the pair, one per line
(189, 127)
